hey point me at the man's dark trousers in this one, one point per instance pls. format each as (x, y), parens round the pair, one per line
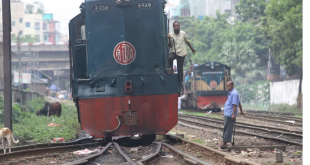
(180, 61)
(228, 128)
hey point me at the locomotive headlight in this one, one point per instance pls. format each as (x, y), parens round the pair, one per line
(126, 1)
(118, 1)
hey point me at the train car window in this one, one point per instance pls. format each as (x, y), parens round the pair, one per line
(197, 73)
(80, 32)
(83, 32)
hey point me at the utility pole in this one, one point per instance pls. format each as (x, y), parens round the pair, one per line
(19, 63)
(6, 18)
(269, 64)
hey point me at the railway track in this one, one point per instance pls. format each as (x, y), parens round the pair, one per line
(112, 153)
(286, 137)
(272, 112)
(298, 133)
(283, 118)
(272, 119)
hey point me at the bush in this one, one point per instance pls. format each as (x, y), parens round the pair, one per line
(35, 104)
(17, 114)
(29, 127)
(256, 92)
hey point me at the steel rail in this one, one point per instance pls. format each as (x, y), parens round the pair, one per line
(248, 127)
(41, 151)
(274, 116)
(271, 119)
(185, 155)
(274, 121)
(272, 112)
(242, 132)
(123, 154)
(87, 159)
(151, 157)
(213, 152)
(241, 124)
(44, 145)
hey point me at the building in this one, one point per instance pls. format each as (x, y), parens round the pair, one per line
(51, 29)
(41, 26)
(33, 26)
(17, 17)
(201, 8)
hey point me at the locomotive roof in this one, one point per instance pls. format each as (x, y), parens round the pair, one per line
(214, 64)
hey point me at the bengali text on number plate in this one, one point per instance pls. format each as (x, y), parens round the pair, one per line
(101, 7)
(145, 5)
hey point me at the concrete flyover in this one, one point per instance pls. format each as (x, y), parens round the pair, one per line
(50, 58)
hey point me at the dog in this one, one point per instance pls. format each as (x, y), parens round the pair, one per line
(7, 133)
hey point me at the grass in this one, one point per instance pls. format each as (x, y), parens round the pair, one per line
(265, 106)
(199, 141)
(193, 113)
(201, 114)
(300, 116)
(35, 128)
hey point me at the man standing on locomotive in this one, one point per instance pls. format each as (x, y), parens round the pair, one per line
(230, 113)
(178, 49)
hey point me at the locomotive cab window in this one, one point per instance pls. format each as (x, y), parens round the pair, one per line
(80, 31)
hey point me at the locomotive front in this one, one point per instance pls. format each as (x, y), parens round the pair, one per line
(117, 52)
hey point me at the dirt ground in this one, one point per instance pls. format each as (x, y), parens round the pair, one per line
(212, 138)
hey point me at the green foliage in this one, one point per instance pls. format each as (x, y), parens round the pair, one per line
(40, 7)
(209, 36)
(36, 127)
(35, 104)
(243, 61)
(199, 141)
(284, 27)
(255, 92)
(26, 38)
(18, 115)
(27, 90)
(193, 113)
(298, 153)
(29, 8)
(27, 126)
(251, 9)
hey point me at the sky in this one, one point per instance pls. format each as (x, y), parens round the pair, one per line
(64, 10)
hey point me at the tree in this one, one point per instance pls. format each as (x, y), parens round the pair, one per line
(24, 39)
(251, 9)
(40, 8)
(209, 34)
(29, 8)
(283, 26)
(28, 38)
(243, 61)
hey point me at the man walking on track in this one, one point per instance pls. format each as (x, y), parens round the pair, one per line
(230, 113)
(177, 41)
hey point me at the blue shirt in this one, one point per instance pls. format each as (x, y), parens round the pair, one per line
(186, 78)
(233, 99)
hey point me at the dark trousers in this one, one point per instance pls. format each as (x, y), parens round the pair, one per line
(228, 128)
(180, 60)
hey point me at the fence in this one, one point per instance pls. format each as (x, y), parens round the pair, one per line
(285, 92)
(24, 96)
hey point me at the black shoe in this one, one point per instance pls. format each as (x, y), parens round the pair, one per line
(223, 147)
